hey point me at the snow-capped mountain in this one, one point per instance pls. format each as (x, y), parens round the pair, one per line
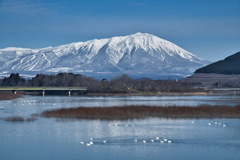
(139, 55)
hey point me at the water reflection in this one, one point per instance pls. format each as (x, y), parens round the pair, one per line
(54, 138)
(50, 139)
(27, 105)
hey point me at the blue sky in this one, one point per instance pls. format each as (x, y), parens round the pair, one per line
(207, 28)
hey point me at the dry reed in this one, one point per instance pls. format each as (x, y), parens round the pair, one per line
(15, 119)
(20, 119)
(6, 95)
(129, 112)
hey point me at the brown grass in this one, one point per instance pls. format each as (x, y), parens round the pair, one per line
(129, 112)
(30, 119)
(6, 95)
(20, 119)
(15, 119)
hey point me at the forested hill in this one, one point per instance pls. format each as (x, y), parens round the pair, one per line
(230, 65)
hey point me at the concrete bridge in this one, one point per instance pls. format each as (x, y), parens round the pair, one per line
(43, 89)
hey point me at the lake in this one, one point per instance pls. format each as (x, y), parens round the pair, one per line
(50, 138)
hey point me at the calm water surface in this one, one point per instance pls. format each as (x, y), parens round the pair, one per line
(50, 138)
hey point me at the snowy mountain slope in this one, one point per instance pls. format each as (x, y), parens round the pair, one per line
(140, 54)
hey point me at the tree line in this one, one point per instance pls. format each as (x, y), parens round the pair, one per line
(120, 84)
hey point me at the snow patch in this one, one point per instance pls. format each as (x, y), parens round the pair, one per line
(139, 53)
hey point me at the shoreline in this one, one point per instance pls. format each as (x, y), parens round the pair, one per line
(135, 112)
(161, 94)
(4, 95)
(150, 94)
(8, 95)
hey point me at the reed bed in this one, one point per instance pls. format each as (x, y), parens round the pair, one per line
(131, 112)
(4, 95)
(15, 119)
(20, 119)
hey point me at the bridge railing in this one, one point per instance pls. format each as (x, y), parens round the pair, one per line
(42, 88)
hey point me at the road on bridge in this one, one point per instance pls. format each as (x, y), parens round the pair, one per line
(43, 89)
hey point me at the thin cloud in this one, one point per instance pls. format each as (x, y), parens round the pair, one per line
(23, 7)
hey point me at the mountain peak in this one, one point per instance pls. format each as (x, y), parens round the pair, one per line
(141, 34)
(139, 54)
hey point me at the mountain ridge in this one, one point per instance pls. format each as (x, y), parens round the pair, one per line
(230, 65)
(140, 54)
